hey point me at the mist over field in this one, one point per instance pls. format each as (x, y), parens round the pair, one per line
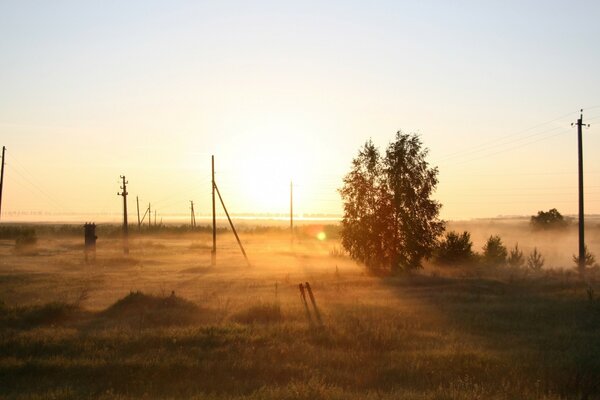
(162, 322)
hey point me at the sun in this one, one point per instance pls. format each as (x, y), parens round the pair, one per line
(270, 164)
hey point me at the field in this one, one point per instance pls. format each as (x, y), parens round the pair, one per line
(163, 323)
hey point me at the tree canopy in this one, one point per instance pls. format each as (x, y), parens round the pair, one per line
(390, 221)
(548, 219)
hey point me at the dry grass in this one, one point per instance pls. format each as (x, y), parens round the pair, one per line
(115, 329)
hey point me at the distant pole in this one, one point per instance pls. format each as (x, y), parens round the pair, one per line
(580, 125)
(213, 254)
(125, 227)
(149, 216)
(292, 209)
(2, 178)
(192, 215)
(137, 201)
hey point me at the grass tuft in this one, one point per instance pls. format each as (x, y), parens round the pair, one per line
(264, 313)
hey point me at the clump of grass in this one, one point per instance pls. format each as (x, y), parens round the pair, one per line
(263, 313)
(26, 241)
(140, 308)
(36, 315)
(337, 252)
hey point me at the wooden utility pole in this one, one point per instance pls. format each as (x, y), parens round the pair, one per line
(125, 226)
(2, 178)
(137, 201)
(192, 215)
(213, 254)
(581, 260)
(231, 225)
(149, 216)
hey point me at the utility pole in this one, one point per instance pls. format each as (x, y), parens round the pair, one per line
(137, 201)
(292, 210)
(213, 254)
(149, 216)
(580, 125)
(125, 227)
(2, 178)
(192, 215)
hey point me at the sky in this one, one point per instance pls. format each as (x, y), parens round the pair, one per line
(280, 91)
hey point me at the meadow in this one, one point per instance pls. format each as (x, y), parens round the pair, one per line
(162, 323)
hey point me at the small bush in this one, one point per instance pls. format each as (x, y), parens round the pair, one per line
(36, 315)
(494, 252)
(25, 239)
(535, 261)
(590, 259)
(337, 252)
(455, 248)
(515, 258)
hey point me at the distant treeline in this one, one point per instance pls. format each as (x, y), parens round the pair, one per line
(14, 231)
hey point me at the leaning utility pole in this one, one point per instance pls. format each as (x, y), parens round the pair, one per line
(213, 254)
(231, 224)
(581, 260)
(2, 178)
(125, 227)
(137, 200)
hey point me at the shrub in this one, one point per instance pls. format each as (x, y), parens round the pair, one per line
(455, 248)
(535, 261)
(26, 239)
(515, 257)
(494, 252)
(590, 259)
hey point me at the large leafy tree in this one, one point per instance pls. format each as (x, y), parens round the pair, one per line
(390, 220)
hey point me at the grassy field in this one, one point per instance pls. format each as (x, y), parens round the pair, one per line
(162, 323)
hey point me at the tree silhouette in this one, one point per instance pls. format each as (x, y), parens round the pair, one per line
(390, 221)
(494, 251)
(455, 248)
(548, 219)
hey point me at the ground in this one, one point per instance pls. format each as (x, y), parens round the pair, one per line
(163, 323)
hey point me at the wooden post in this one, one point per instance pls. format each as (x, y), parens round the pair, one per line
(125, 223)
(314, 303)
(137, 201)
(303, 298)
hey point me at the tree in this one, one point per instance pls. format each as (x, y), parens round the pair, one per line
(390, 221)
(550, 219)
(455, 248)
(515, 257)
(535, 261)
(590, 259)
(494, 252)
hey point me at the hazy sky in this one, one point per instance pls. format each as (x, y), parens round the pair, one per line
(280, 90)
